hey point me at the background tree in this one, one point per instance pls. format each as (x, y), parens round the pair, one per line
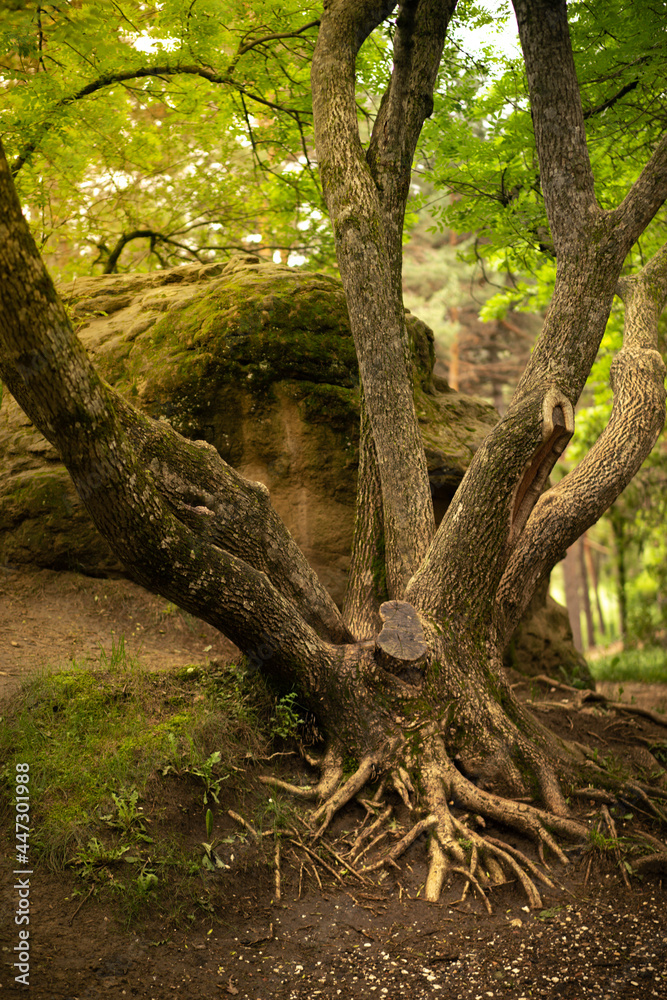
(407, 700)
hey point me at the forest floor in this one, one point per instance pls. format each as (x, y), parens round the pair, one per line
(329, 935)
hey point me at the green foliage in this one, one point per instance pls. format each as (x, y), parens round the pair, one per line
(186, 122)
(128, 816)
(648, 665)
(287, 717)
(480, 145)
(598, 842)
(206, 772)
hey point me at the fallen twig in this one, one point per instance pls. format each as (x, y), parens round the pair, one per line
(80, 906)
(276, 861)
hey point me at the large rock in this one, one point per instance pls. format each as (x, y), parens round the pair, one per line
(256, 359)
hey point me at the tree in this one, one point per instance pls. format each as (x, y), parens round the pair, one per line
(144, 135)
(406, 681)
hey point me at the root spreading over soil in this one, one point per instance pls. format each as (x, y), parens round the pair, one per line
(332, 899)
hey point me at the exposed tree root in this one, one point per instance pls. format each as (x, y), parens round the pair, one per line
(587, 697)
(403, 844)
(331, 773)
(449, 806)
(344, 794)
(369, 832)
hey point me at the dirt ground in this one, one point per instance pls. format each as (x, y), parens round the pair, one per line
(49, 619)
(346, 938)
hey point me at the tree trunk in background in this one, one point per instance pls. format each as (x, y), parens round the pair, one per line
(591, 565)
(571, 576)
(618, 528)
(585, 593)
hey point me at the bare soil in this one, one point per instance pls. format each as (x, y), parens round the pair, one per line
(48, 619)
(593, 938)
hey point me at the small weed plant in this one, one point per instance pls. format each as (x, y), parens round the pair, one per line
(104, 739)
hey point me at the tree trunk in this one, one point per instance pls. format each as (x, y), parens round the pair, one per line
(572, 591)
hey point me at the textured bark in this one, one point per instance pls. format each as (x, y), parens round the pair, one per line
(367, 582)
(366, 198)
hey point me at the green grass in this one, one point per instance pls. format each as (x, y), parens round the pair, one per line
(648, 665)
(115, 753)
(97, 737)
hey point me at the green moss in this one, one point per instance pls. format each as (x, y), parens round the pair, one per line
(333, 405)
(29, 496)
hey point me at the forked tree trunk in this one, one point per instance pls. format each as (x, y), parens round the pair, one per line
(407, 686)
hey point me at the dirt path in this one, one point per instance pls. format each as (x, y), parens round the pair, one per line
(49, 619)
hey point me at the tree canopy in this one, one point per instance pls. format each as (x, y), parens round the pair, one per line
(174, 131)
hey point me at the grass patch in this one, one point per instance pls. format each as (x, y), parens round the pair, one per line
(647, 665)
(104, 743)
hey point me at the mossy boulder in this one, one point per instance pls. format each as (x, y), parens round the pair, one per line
(258, 360)
(255, 358)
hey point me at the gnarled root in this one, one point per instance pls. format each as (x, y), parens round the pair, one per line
(332, 771)
(343, 795)
(453, 811)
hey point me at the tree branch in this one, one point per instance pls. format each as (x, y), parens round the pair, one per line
(611, 101)
(558, 121)
(564, 512)
(643, 199)
(110, 79)
(121, 243)
(489, 523)
(248, 46)
(418, 45)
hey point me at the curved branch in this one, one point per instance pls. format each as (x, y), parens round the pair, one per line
(563, 513)
(121, 243)
(109, 79)
(248, 46)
